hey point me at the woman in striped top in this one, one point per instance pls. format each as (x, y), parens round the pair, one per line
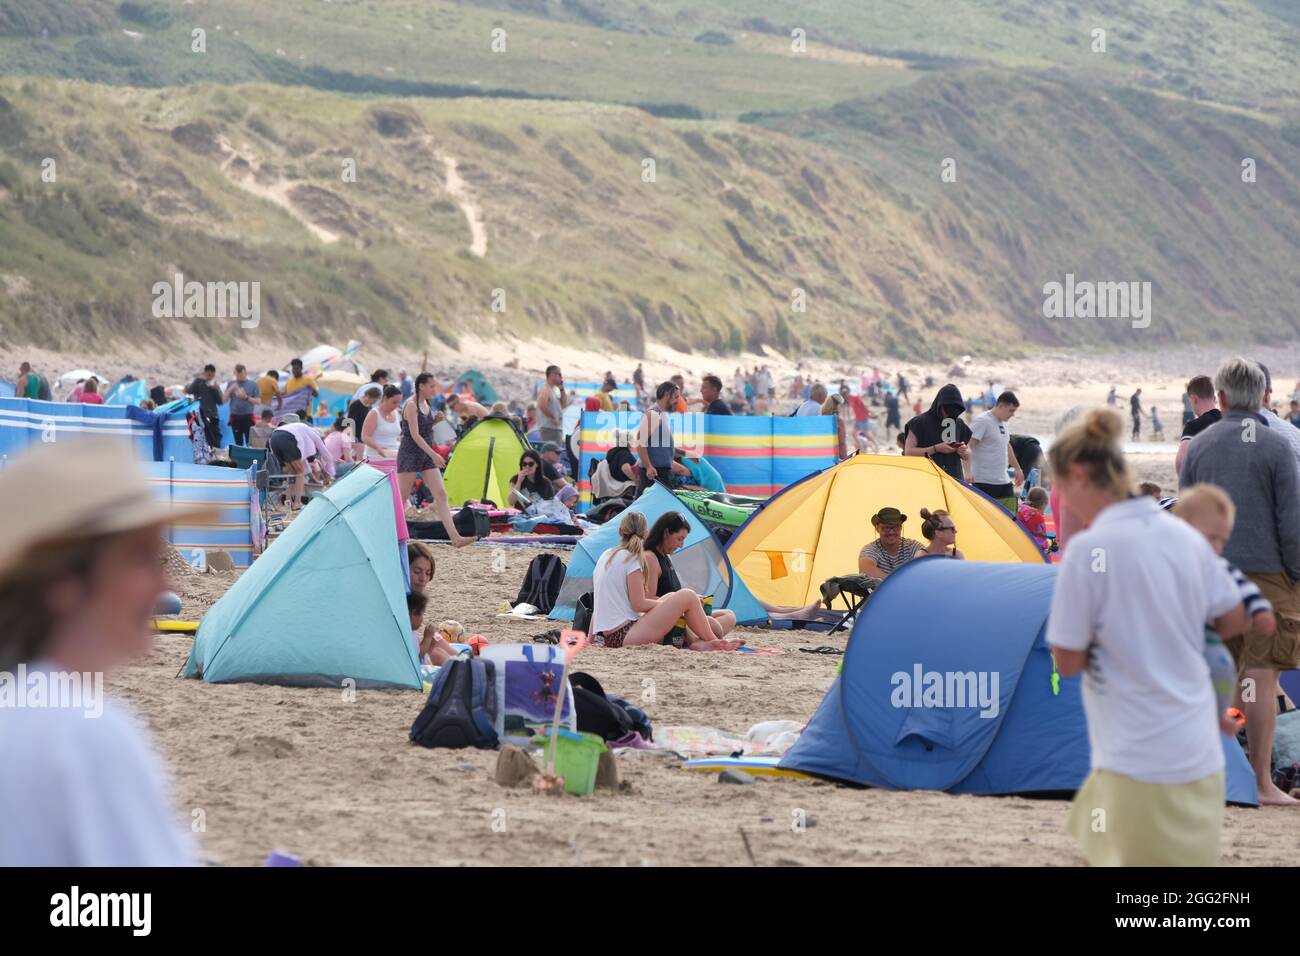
(890, 551)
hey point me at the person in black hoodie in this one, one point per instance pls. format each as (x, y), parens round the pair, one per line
(940, 434)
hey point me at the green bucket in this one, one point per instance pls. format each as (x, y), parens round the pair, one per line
(577, 756)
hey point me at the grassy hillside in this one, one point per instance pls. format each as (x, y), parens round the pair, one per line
(154, 181)
(846, 204)
(1239, 52)
(1110, 185)
(426, 48)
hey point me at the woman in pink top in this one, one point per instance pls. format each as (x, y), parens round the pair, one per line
(90, 393)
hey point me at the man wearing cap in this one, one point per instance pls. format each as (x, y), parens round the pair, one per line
(890, 551)
(80, 575)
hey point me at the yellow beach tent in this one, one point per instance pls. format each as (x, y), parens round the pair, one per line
(814, 529)
(484, 462)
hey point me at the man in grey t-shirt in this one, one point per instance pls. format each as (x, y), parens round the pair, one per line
(991, 455)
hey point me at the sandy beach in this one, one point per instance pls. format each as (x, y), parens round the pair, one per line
(336, 782)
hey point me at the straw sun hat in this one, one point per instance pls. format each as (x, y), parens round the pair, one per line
(76, 488)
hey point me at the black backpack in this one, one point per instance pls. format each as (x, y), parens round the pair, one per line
(462, 707)
(541, 585)
(611, 718)
(469, 522)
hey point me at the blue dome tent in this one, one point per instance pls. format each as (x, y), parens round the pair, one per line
(1020, 727)
(701, 563)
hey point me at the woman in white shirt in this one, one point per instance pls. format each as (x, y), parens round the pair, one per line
(622, 614)
(382, 432)
(1133, 597)
(80, 574)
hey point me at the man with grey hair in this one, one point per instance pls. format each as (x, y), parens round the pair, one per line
(1245, 454)
(812, 405)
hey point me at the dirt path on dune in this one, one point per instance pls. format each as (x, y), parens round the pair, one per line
(459, 191)
(276, 192)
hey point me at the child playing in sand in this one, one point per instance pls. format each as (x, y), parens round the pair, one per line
(1030, 514)
(1209, 510)
(430, 646)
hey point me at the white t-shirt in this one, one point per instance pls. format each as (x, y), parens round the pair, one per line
(1138, 587)
(610, 605)
(84, 791)
(988, 459)
(808, 407)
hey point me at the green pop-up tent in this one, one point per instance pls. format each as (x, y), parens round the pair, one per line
(325, 603)
(484, 462)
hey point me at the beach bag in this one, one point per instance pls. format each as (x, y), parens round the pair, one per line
(611, 718)
(528, 681)
(470, 522)
(461, 710)
(582, 613)
(541, 585)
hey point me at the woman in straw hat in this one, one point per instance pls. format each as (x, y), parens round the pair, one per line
(80, 573)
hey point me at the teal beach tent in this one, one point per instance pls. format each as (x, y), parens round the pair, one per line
(326, 602)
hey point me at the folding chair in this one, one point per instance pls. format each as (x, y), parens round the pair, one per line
(854, 589)
(277, 481)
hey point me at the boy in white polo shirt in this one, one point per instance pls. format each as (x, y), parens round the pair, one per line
(1132, 599)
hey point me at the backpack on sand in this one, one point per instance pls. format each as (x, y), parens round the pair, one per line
(462, 707)
(610, 718)
(469, 521)
(541, 585)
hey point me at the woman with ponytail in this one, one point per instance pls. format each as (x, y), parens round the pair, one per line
(623, 615)
(938, 528)
(416, 455)
(1131, 601)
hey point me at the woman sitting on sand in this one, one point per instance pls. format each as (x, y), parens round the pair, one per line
(420, 560)
(666, 536)
(80, 574)
(890, 551)
(937, 527)
(530, 483)
(622, 613)
(532, 491)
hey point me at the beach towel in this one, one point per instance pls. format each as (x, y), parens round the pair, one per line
(769, 738)
(298, 402)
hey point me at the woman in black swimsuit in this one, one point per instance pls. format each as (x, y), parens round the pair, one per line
(667, 535)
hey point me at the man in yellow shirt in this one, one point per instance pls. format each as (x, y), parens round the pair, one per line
(268, 390)
(603, 396)
(301, 403)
